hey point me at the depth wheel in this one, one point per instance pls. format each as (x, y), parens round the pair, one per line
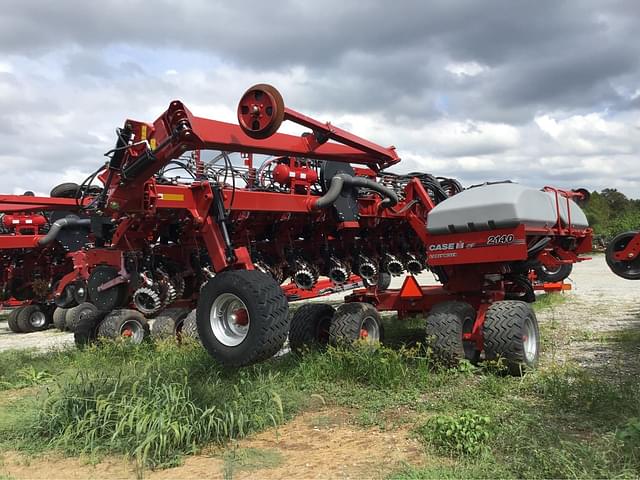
(73, 315)
(555, 274)
(32, 319)
(128, 324)
(447, 322)
(190, 327)
(13, 320)
(169, 323)
(261, 111)
(59, 318)
(625, 269)
(310, 326)
(511, 332)
(242, 317)
(86, 332)
(356, 321)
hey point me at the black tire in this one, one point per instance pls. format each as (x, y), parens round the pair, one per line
(13, 320)
(190, 326)
(59, 318)
(66, 190)
(124, 323)
(86, 332)
(519, 287)
(557, 274)
(169, 323)
(310, 325)
(32, 319)
(264, 310)
(446, 323)
(629, 270)
(384, 281)
(75, 314)
(356, 321)
(508, 328)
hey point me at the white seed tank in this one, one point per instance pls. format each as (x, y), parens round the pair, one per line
(502, 205)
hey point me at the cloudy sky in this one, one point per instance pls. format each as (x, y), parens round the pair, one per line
(542, 92)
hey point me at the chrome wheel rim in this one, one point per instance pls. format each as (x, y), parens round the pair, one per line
(133, 330)
(530, 341)
(551, 271)
(370, 330)
(38, 319)
(229, 319)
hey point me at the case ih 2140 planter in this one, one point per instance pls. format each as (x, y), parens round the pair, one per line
(322, 204)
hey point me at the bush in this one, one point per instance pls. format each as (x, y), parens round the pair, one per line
(465, 434)
(630, 434)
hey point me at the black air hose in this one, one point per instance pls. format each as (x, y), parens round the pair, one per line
(335, 189)
(58, 225)
(538, 246)
(339, 181)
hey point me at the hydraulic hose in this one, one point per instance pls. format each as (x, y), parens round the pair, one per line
(66, 222)
(339, 181)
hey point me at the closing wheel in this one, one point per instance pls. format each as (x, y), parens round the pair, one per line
(553, 274)
(511, 332)
(32, 319)
(12, 320)
(260, 111)
(147, 301)
(384, 281)
(625, 269)
(242, 317)
(447, 322)
(310, 326)
(356, 321)
(128, 324)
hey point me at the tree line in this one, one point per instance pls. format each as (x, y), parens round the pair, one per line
(610, 212)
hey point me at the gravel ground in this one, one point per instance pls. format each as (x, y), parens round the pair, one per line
(47, 340)
(599, 324)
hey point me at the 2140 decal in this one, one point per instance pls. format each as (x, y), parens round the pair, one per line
(500, 239)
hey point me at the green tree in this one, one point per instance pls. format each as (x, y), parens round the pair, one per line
(610, 212)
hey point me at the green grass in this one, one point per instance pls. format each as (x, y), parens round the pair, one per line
(549, 300)
(157, 402)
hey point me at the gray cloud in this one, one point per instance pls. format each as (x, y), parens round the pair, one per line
(456, 86)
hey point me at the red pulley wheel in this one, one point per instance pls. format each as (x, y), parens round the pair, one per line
(261, 111)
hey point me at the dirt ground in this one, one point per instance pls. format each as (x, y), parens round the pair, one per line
(304, 446)
(589, 328)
